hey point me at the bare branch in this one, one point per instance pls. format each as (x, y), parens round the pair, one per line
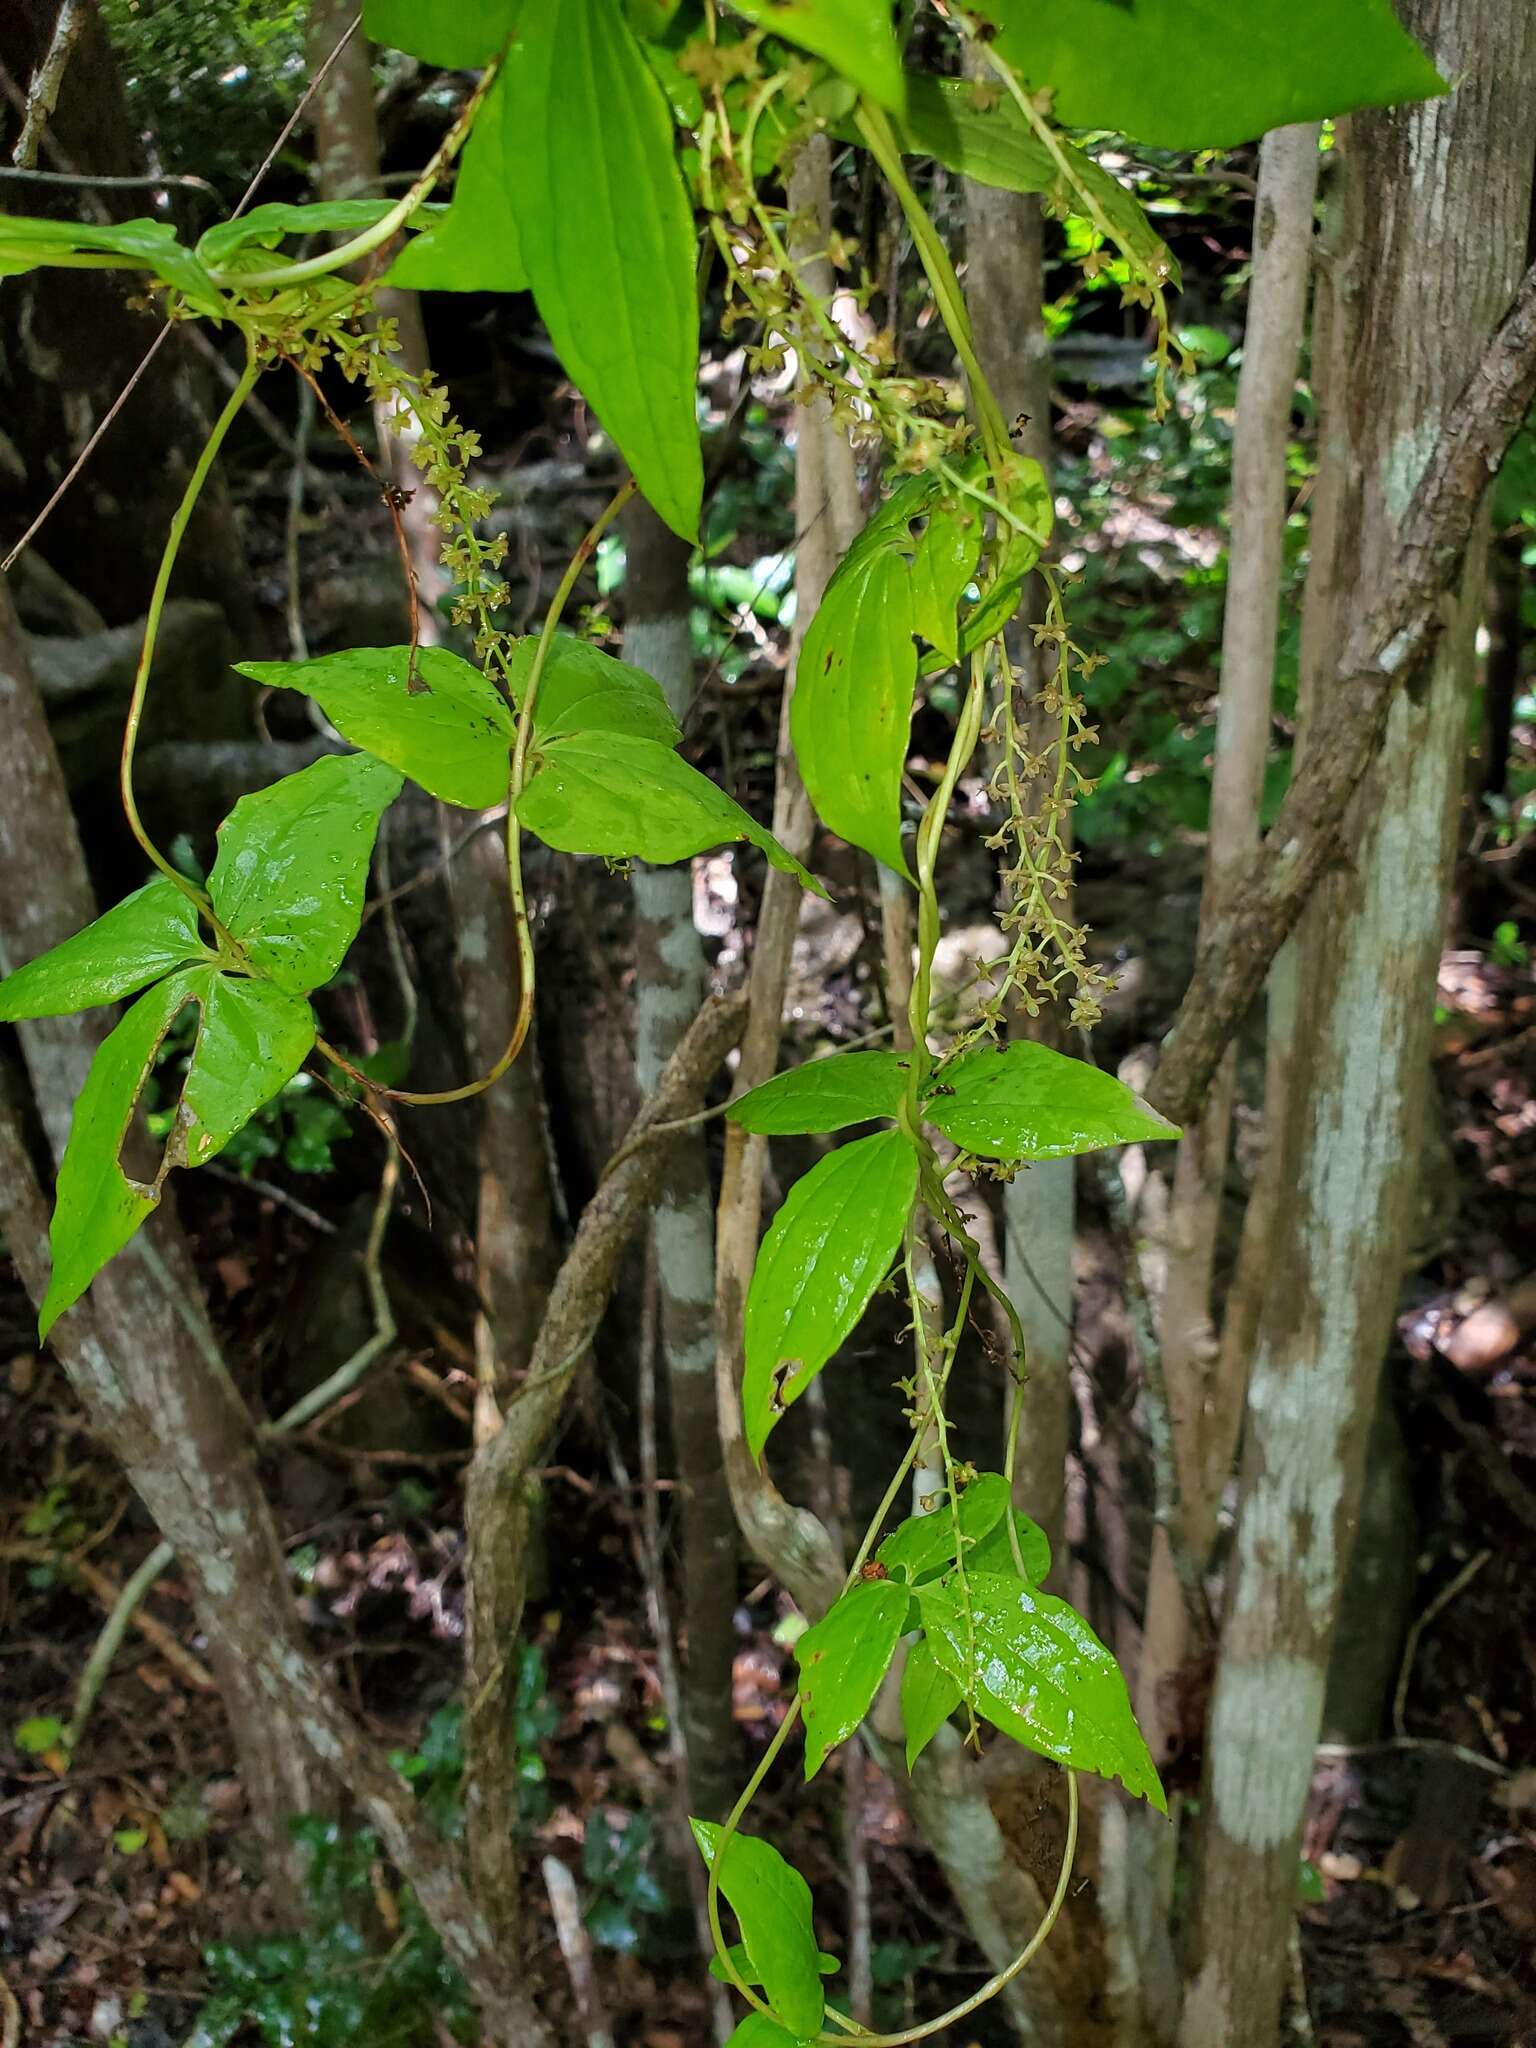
(43, 92)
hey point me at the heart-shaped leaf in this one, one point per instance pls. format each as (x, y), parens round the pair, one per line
(293, 863)
(1036, 1670)
(1027, 1101)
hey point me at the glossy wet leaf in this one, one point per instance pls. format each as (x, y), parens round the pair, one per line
(607, 237)
(623, 796)
(583, 689)
(825, 1095)
(1034, 1668)
(97, 1207)
(851, 714)
(944, 564)
(252, 1040)
(129, 946)
(1026, 1101)
(926, 1542)
(27, 244)
(826, 1251)
(746, 1969)
(264, 228)
(928, 1697)
(445, 724)
(979, 133)
(1184, 76)
(292, 866)
(453, 33)
(994, 1553)
(474, 246)
(772, 1904)
(854, 36)
(842, 1661)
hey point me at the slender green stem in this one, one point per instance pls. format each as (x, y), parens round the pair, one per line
(180, 521)
(329, 261)
(875, 128)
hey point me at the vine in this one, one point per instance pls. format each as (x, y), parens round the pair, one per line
(675, 125)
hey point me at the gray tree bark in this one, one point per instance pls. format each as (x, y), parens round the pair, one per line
(1435, 205)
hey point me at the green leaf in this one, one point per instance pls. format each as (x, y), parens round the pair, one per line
(622, 796)
(1029, 498)
(30, 244)
(855, 37)
(1025, 1101)
(583, 689)
(1036, 1670)
(944, 564)
(851, 714)
(458, 34)
(758, 2031)
(979, 133)
(826, 1252)
(474, 247)
(746, 1969)
(252, 1041)
(842, 1661)
(608, 240)
(772, 1902)
(40, 1734)
(994, 1553)
(1184, 77)
(293, 862)
(926, 1542)
(264, 227)
(825, 1095)
(127, 947)
(447, 726)
(97, 1208)
(928, 1697)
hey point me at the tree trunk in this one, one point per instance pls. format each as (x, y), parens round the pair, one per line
(1205, 1409)
(669, 986)
(1435, 202)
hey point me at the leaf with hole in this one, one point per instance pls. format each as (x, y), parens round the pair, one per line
(825, 1253)
(97, 1207)
(928, 1697)
(842, 1661)
(1203, 77)
(473, 245)
(772, 1903)
(293, 863)
(128, 946)
(925, 1543)
(252, 1040)
(456, 34)
(1036, 1670)
(27, 244)
(607, 237)
(854, 36)
(1026, 1101)
(443, 723)
(583, 689)
(625, 797)
(851, 714)
(825, 1095)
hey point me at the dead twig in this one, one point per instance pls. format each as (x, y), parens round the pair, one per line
(43, 92)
